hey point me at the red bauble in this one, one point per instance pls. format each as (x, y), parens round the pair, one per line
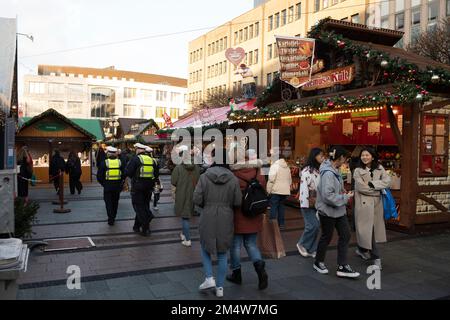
(330, 104)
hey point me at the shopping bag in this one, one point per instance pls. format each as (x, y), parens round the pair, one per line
(389, 207)
(125, 187)
(269, 239)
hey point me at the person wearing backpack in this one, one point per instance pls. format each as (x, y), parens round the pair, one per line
(309, 180)
(331, 203)
(370, 178)
(247, 225)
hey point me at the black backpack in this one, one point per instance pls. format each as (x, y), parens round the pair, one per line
(254, 199)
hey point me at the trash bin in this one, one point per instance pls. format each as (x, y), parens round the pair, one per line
(13, 260)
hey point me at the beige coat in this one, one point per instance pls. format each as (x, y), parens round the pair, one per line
(369, 215)
(280, 178)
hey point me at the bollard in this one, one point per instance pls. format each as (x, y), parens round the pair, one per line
(61, 197)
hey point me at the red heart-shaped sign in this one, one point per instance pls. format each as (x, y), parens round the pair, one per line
(235, 56)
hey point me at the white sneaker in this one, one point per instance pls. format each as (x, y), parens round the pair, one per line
(320, 267)
(208, 284)
(186, 243)
(302, 250)
(219, 292)
(155, 208)
(182, 237)
(312, 255)
(363, 255)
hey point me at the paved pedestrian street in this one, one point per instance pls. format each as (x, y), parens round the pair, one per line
(124, 265)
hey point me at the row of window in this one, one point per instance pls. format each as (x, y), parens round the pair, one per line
(196, 55)
(247, 33)
(147, 111)
(252, 57)
(216, 90)
(284, 17)
(433, 14)
(325, 4)
(195, 96)
(217, 46)
(73, 107)
(55, 88)
(217, 69)
(353, 18)
(272, 51)
(195, 76)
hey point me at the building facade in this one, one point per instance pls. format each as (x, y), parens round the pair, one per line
(87, 93)
(254, 31)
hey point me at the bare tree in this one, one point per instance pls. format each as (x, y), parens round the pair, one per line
(435, 43)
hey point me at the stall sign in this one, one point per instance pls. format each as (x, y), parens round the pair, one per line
(365, 116)
(296, 59)
(329, 79)
(290, 122)
(322, 119)
(50, 126)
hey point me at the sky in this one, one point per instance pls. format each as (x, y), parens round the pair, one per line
(67, 24)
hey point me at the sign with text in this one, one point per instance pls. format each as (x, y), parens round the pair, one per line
(330, 78)
(364, 116)
(322, 119)
(296, 59)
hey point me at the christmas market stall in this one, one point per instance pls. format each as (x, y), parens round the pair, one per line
(50, 131)
(347, 85)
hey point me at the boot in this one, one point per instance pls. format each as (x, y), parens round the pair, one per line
(235, 276)
(262, 275)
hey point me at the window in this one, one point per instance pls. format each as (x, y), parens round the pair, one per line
(225, 67)
(316, 5)
(103, 102)
(174, 112)
(146, 94)
(240, 36)
(434, 146)
(175, 97)
(270, 26)
(433, 10)
(448, 7)
(385, 22)
(209, 49)
(225, 43)
(283, 17)
(355, 18)
(161, 95)
(250, 32)
(220, 68)
(236, 37)
(57, 105)
(256, 58)
(384, 8)
(56, 88)
(291, 14)
(277, 20)
(209, 72)
(415, 3)
(74, 107)
(269, 79)
(246, 34)
(399, 21)
(130, 110)
(129, 93)
(245, 60)
(415, 32)
(146, 112)
(275, 50)
(256, 29)
(160, 112)
(250, 58)
(37, 87)
(190, 58)
(399, 5)
(256, 80)
(269, 52)
(325, 4)
(415, 16)
(75, 89)
(298, 10)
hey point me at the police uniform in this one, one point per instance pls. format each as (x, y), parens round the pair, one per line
(110, 175)
(143, 171)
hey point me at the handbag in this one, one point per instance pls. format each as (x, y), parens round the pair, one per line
(389, 206)
(269, 240)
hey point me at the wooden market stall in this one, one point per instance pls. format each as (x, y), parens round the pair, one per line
(368, 92)
(49, 131)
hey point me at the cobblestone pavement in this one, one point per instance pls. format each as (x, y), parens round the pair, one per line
(124, 265)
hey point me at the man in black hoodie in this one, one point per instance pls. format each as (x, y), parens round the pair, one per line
(57, 166)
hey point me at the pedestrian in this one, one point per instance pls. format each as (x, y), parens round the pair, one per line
(56, 168)
(110, 175)
(218, 193)
(184, 179)
(156, 189)
(370, 178)
(309, 180)
(73, 168)
(142, 171)
(101, 155)
(279, 187)
(25, 161)
(331, 206)
(246, 228)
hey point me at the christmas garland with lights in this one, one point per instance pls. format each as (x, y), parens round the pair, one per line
(410, 84)
(221, 126)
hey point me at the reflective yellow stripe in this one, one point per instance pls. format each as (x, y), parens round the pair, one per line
(146, 170)
(113, 172)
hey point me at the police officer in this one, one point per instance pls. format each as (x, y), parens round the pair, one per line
(110, 175)
(143, 171)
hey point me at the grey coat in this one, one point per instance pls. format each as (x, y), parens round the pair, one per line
(217, 192)
(369, 216)
(185, 178)
(331, 199)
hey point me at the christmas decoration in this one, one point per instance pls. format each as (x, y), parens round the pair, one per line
(435, 78)
(384, 64)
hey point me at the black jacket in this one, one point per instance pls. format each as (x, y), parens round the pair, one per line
(57, 164)
(101, 176)
(132, 170)
(73, 167)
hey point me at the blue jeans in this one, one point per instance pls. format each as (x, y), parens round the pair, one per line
(309, 238)
(221, 266)
(250, 246)
(185, 226)
(277, 208)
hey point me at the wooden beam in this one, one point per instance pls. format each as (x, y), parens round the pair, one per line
(436, 105)
(438, 188)
(394, 127)
(434, 202)
(429, 218)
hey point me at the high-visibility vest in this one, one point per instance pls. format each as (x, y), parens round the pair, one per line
(146, 169)
(113, 172)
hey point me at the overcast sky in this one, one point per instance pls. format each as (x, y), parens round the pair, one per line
(66, 24)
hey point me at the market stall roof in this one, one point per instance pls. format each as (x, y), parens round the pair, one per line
(126, 123)
(209, 116)
(82, 125)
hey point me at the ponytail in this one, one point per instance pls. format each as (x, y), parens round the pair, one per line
(335, 152)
